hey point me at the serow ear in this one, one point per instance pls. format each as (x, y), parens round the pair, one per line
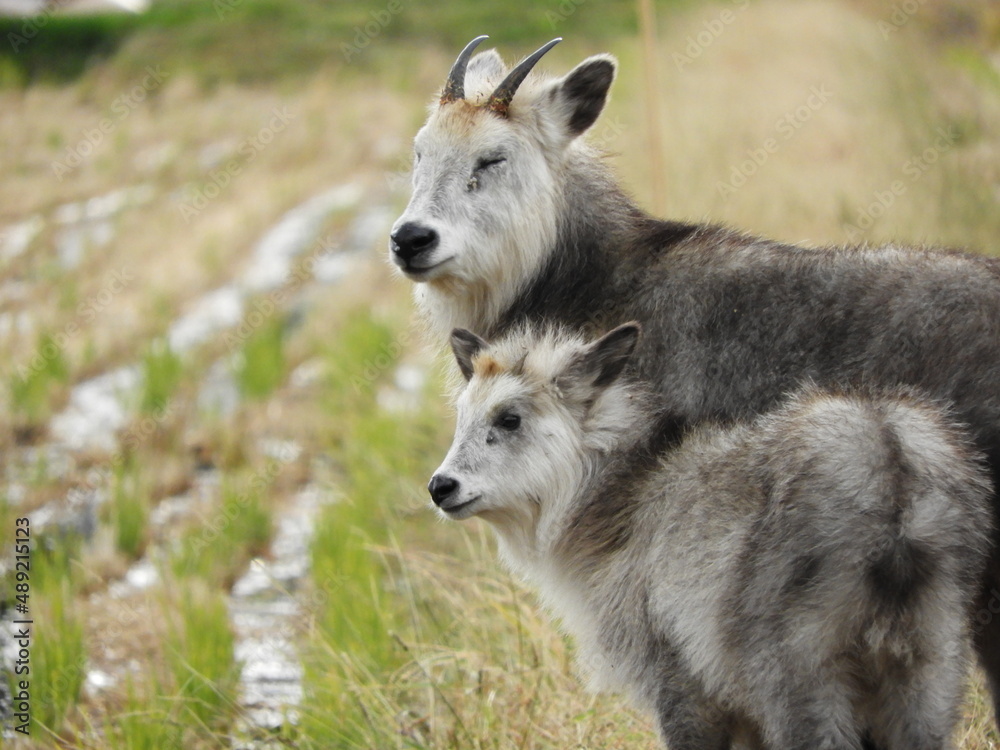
(600, 364)
(579, 97)
(466, 345)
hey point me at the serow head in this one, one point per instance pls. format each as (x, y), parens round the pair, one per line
(532, 411)
(487, 167)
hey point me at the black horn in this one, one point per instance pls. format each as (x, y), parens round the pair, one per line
(454, 87)
(500, 99)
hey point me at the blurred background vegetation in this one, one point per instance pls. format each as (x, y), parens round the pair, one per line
(218, 411)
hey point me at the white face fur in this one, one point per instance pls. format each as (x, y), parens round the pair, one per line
(533, 414)
(484, 186)
(487, 188)
(514, 445)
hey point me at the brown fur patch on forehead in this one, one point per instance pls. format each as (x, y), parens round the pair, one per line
(534, 354)
(491, 363)
(485, 366)
(461, 117)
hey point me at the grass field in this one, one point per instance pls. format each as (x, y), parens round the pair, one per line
(147, 160)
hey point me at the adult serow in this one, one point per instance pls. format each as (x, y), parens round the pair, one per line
(515, 218)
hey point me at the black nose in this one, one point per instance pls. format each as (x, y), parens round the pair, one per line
(412, 239)
(442, 487)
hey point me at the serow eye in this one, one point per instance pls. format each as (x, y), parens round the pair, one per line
(483, 164)
(508, 421)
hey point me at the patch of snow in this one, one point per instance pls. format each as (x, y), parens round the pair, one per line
(204, 488)
(369, 229)
(70, 213)
(410, 378)
(219, 309)
(96, 410)
(331, 269)
(219, 394)
(15, 291)
(280, 450)
(77, 515)
(87, 224)
(16, 323)
(107, 205)
(98, 681)
(16, 492)
(142, 575)
(48, 462)
(263, 611)
(16, 238)
(405, 394)
(73, 241)
(308, 373)
(155, 157)
(212, 154)
(291, 236)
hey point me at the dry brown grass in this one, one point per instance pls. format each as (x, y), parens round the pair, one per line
(888, 97)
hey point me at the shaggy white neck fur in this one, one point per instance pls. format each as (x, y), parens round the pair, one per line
(477, 303)
(528, 541)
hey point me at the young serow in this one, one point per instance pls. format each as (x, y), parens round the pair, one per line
(800, 581)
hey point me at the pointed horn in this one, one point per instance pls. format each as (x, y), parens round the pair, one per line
(454, 87)
(500, 99)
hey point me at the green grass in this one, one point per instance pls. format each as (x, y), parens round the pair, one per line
(239, 528)
(382, 458)
(263, 40)
(261, 365)
(162, 370)
(129, 511)
(33, 383)
(55, 558)
(200, 647)
(7, 516)
(58, 658)
(146, 721)
(194, 704)
(58, 651)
